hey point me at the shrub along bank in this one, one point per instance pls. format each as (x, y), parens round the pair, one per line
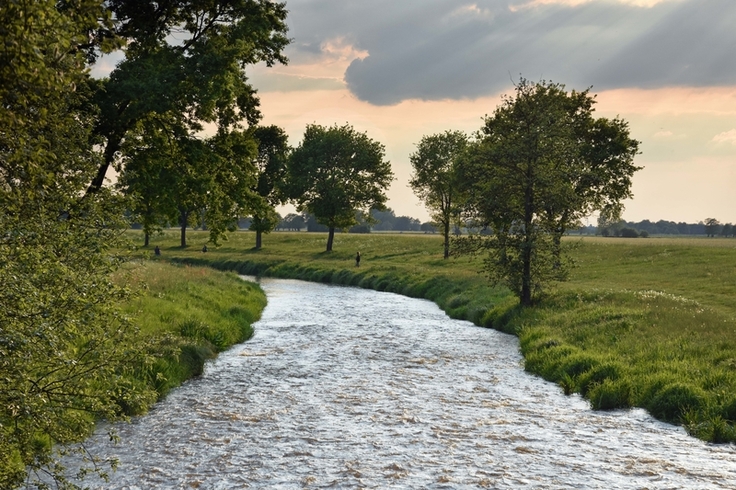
(647, 323)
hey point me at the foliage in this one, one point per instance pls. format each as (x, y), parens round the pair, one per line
(336, 172)
(712, 227)
(174, 176)
(66, 352)
(185, 61)
(387, 220)
(434, 178)
(541, 164)
(291, 222)
(63, 344)
(273, 149)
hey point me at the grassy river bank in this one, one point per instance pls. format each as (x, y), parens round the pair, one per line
(643, 322)
(184, 316)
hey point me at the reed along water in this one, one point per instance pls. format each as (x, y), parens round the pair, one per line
(352, 388)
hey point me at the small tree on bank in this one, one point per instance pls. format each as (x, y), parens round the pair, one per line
(542, 162)
(335, 172)
(434, 179)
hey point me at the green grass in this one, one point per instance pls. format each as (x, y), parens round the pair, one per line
(186, 315)
(642, 322)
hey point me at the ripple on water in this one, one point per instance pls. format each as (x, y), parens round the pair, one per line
(352, 388)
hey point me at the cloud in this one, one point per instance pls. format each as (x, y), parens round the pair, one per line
(725, 137)
(458, 49)
(575, 3)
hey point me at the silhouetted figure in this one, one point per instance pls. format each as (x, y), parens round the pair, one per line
(157, 250)
(204, 249)
(357, 259)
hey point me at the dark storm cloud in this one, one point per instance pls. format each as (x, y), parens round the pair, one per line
(454, 49)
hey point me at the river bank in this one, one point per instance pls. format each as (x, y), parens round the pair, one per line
(642, 323)
(184, 316)
(354, 388)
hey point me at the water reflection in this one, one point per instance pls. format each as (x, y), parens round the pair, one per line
(352, 388)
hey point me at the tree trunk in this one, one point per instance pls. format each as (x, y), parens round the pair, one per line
(330, 238)
(183, 221)
(113, 146)
(447, 238)
(146, 239)
(258, 239)
(528, 245)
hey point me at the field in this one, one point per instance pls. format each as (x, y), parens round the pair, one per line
(641, 322)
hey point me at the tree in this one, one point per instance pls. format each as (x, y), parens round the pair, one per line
(292, 222)
(273, 149)
(149, 178)
(174, 176)
(406, 223)
(434, 179)
(712, 227)
(542, 162)
(428, 227)
(64, 345)
(335, 172)
(727, 230)
(186, 60)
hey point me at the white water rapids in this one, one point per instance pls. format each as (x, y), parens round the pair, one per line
(351, 388)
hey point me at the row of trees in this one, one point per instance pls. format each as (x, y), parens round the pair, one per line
(539, 164)
(65, 350)
(710, 227)
(381, 221)
(333, 174)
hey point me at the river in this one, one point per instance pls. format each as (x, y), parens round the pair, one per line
(351, 388)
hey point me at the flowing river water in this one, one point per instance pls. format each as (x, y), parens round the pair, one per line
(352, 388)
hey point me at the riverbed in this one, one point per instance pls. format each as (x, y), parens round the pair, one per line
(350, 388)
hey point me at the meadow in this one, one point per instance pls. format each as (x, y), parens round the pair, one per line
(642, 322)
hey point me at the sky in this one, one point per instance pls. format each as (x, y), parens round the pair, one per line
(402, 69)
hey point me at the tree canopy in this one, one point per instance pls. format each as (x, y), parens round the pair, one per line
(186, 60)
(434, 178)
(63, 344)
(65, 349)
(335, 172)
(273, 149)
(542, 162)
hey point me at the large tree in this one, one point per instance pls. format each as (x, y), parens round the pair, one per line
(335, 172)
(63, 345)
(542, 163)
(434, 180)
(185, 59)
(273, 149)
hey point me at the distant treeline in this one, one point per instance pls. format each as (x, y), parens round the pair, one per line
(710, 227)
(388, 221)
(380, 221)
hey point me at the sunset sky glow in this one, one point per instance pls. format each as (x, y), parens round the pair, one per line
(399, 70)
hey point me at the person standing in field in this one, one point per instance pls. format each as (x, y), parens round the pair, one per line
(357, 259)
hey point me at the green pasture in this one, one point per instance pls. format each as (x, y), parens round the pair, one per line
(641, 322)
